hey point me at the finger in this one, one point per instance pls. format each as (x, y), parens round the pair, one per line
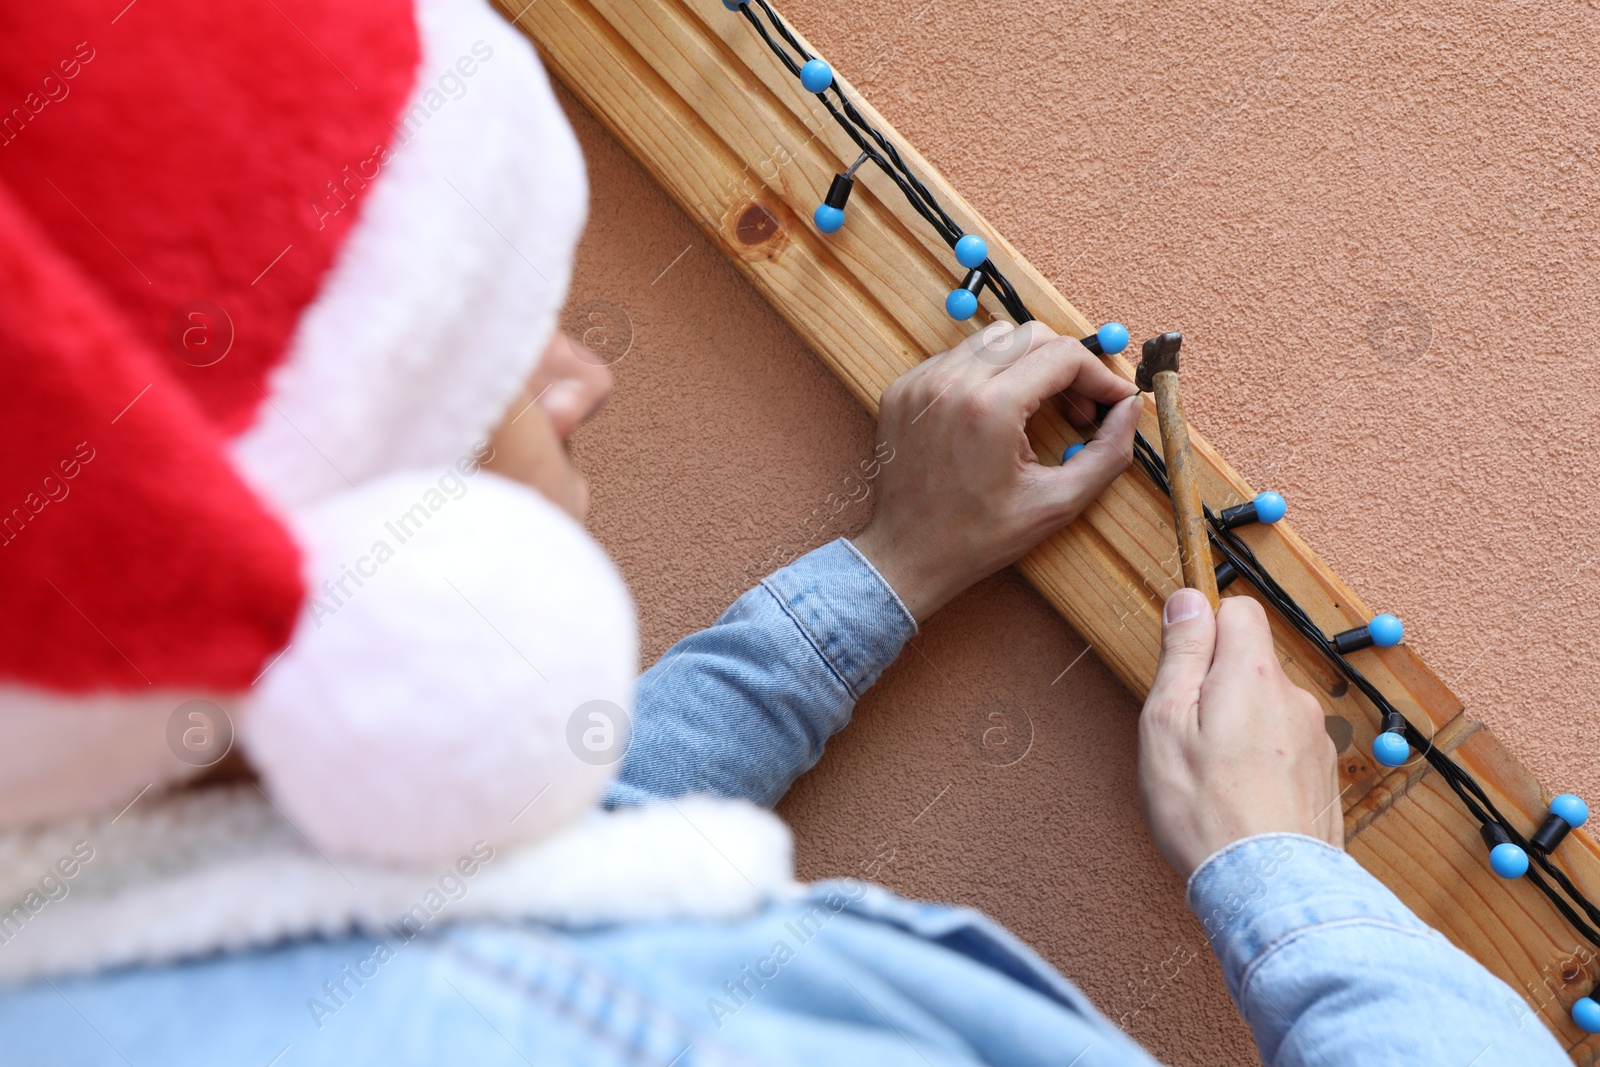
(1188, 638)
(999, 343)
(1244, 637)
(1002, 353)
(992, 333)
(913, 385)
(1244, 652)
(992, 349)
(1058, 365)
(1069, 488)
(1079, 410)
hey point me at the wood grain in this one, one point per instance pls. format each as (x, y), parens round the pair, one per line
(695, 96)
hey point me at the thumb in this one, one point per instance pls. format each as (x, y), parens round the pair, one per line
(1188, 639)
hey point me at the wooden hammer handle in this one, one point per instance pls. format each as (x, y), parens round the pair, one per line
(1194, 546)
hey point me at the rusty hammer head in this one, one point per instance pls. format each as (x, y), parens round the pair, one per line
(1160, 353)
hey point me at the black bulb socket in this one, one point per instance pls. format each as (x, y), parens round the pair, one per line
(839, 191)
(1551, 833)
(1239, 515)
(1494, 834)
(1353, 640)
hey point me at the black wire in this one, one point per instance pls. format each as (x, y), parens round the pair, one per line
(878, 148)
(1472, 796)
(882, 151)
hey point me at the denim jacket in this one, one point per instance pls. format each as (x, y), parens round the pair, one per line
(1328, 967)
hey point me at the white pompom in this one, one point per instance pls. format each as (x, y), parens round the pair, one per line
(456, 626)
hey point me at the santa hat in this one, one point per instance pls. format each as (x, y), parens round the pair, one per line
(266, 284)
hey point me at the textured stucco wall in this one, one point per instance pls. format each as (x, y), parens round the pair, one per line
(1375, 224)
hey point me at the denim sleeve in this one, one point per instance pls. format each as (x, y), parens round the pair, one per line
(1329, 968)
(743, 709)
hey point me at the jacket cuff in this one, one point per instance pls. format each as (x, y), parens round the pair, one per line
(1254, 894)
(850, 614)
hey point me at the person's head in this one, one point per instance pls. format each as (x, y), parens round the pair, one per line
(501, 642)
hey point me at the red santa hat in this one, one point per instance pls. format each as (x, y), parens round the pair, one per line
(267, 281)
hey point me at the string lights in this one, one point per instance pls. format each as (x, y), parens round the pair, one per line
(1510, 854)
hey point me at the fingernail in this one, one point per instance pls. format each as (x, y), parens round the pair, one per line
(1182, 606)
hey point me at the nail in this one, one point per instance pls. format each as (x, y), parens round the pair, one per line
(1182, 606)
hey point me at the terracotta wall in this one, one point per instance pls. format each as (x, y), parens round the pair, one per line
(1375, 224)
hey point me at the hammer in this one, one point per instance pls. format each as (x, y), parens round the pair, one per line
(1158, 373)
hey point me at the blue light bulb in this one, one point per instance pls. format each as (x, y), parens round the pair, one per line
(816, 76)
(1390, 749)
(971, 251)
(828, 219)
(1570, 809)
(1386, 630)
(1270, 507)
(1508, 861)
(1586, 1013)
(961, 304)
(1113, 338)
(1072, 450)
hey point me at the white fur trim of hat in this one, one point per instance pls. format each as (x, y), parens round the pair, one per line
(444, 680)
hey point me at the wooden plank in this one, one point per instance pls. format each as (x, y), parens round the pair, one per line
(695, 96)
(1426, 848)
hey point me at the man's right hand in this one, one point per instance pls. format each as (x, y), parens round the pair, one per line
(1228, 746)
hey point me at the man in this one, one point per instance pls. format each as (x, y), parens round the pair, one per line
(423, 875)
